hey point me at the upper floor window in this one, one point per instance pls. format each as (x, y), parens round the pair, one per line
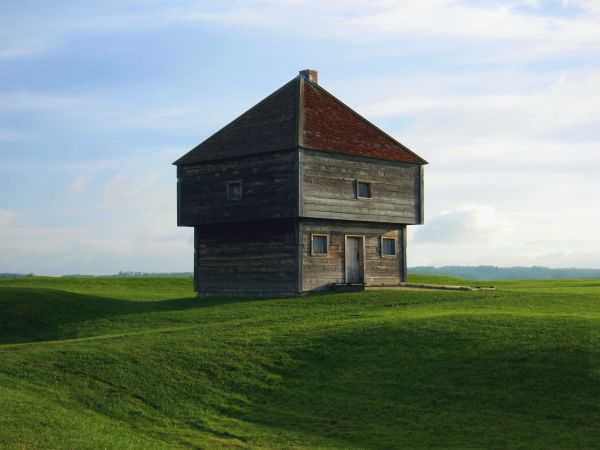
(388, 246)
(234, 190)
(363, 189)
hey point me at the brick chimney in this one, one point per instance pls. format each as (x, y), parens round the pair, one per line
(311, 75)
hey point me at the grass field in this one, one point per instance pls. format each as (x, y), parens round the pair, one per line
(140, 363)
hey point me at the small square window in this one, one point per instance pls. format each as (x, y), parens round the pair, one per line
(234, 190)
(363, 189)
(388, 246)
(319, 244)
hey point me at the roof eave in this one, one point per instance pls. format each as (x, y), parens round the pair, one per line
(421, 161)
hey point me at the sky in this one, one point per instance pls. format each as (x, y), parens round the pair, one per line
(97, 99)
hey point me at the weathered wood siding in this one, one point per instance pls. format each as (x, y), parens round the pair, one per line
(329, 189)
(320, 271)
(269, 189)
(258, 258)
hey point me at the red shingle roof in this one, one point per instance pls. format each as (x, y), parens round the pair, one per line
(300, 114)
(331, 126)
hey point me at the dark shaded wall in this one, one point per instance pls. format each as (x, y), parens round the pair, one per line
(252, 258)
(269, 189)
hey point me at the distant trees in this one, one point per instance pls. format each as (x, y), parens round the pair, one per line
(504, 273)
(467, 272)
(153, 274)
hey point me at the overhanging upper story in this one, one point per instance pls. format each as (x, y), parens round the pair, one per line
(300, 153)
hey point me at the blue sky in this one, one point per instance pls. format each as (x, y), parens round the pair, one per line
(97, 99)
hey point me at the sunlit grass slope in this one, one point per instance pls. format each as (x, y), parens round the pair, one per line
(141, 363)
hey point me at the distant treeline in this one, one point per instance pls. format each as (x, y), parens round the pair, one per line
(467, 272)
(120, 274)
(139, 274)
(504, 273)
(153, 274)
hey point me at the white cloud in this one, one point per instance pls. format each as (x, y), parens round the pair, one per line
(390, 22)
(9, 135)
(590, 6)
(468, 223)
(36, 101)
(15, 52)
(79, 183)
(128, 223)
(385, 22)
(566, 101)
(513, 150)
(6, 216)
(58, 251)
(566, 258)
(541, 224)
(99, 112)
(124, 220)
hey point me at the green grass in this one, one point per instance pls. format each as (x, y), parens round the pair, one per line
(140, 363)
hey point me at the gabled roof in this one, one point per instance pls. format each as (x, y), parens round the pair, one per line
(300, 114)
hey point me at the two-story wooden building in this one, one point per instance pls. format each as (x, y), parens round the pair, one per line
(297, 194)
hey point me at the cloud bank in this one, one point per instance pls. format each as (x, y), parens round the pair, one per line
(96, 101)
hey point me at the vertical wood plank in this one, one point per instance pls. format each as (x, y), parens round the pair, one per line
(403, 259)
(196, 259)
(421, 195)
(300, 185)
(299, 240)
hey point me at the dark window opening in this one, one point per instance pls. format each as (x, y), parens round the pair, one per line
(388, 246)
(363, 190)
(234, 190)
(319, 244)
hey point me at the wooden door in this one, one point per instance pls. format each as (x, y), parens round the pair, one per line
(354, 260)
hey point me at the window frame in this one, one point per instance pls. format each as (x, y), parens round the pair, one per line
(388, 255)
(230, 190)
(312, 244)
(357, 190)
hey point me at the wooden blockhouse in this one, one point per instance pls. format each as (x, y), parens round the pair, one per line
(298, 194)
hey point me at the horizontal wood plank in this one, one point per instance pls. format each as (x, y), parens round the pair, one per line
(329, 191)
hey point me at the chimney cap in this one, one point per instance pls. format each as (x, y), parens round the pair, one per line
(310, 74)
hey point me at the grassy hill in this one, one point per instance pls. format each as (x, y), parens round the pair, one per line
(140, 363)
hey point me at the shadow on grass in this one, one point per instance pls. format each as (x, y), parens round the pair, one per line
(422, 387)
(37, 314)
